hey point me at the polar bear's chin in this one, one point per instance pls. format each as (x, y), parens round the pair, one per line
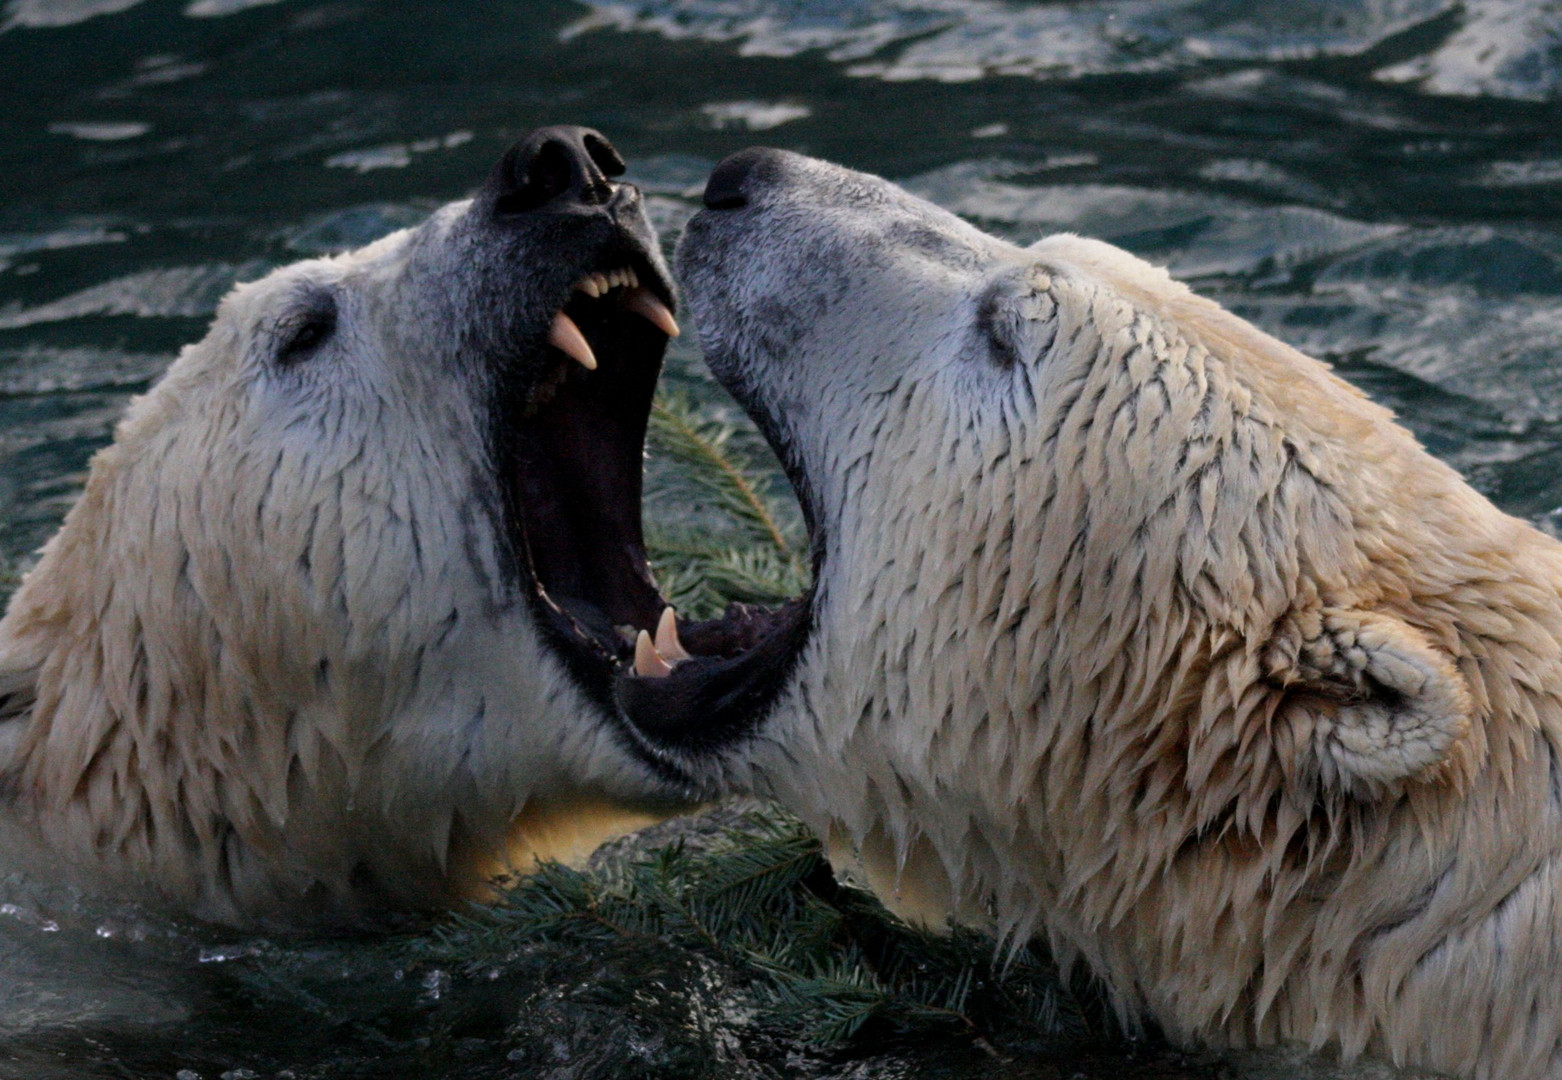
(720, 695)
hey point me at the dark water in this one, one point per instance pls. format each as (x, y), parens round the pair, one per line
(1376, 181)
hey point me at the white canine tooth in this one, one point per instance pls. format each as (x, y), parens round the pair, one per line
(648, 662)
(589, 287)
(644, 303)
(602, 284)
(667, 643)
(565, 336)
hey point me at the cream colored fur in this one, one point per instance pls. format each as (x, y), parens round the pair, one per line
(267, 668)
(1163, 643)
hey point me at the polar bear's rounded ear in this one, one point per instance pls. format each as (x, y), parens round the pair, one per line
(1367, 703)
(1017, 315)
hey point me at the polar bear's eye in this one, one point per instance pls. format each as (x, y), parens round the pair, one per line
(298, 338)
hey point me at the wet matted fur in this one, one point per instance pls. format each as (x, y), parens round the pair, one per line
(283, 660)
(1137, 629)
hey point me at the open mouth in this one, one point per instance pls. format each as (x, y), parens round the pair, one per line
(570, 449)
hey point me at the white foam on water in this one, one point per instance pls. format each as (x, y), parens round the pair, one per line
(955, 40)
(39, 369)
(844, 29)
(168, 292)
(1513, 174)
(47, 14)
(85, 235)
(394, 155)
(1501, 48)
(101, 130)
(754, 115)
(1504, 48)
(1192, 233)
(389, 156)
(211, 9)
(1264, 176)
(166, 68)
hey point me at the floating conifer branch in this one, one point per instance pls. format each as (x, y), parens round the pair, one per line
(735, 541)
(817, 959)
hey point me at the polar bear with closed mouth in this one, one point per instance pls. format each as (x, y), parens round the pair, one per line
(334, 629)
(1136, 630)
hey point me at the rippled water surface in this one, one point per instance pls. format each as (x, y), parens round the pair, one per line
(1376, 181)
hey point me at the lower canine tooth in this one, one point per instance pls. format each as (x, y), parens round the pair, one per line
(667, 643)
(649, 663)
(645, 304)
(565, 336)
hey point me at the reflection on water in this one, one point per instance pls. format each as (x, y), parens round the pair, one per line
(1497, 48)
(1376, 181)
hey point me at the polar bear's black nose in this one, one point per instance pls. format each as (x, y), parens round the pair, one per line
(563, 164)
(729, 184)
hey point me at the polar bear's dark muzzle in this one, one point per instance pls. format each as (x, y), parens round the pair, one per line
(580, 309)
(576, 354)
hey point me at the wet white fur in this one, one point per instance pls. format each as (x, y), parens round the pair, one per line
(267, 667)
(1161, 643)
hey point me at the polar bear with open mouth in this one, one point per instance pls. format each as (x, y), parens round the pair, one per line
(1136, 629)
(335, 627)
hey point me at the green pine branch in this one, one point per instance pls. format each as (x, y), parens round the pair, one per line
(703, 446)
(734, 540)
(821, 961)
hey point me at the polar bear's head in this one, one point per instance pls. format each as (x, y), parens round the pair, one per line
(1135, 628)
(1029, 467)
(345, 592)
(1111, 585)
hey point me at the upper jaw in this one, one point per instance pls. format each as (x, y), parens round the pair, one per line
(615, 248)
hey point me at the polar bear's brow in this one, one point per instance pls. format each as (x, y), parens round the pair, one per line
(926, 237)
